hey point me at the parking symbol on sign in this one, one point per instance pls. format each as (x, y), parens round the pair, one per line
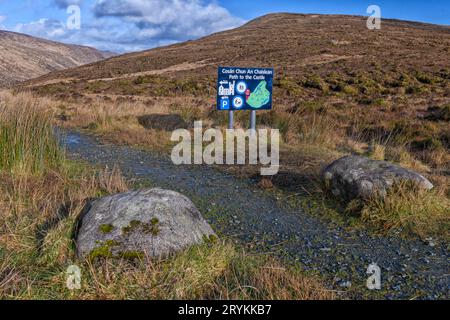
(225, 103)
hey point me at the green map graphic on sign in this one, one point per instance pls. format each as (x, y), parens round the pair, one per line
(260, 96)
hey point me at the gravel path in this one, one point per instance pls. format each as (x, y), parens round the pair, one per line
(235, 208)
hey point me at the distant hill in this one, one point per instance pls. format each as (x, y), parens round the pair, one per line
(344, 80)
(23, 57)
(308, 52)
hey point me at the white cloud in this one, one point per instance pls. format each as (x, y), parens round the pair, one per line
(174, 18)
(133, 25)
(63, 4)
(44, 28)
(165, 20)
(2, 19)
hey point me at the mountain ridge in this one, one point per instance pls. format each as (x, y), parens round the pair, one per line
(23, 57)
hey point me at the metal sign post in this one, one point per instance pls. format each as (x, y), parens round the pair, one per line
(230, 119)
(253, 122)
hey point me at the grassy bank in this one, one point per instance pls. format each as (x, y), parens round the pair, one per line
(41, 197)
(313, 134)
(27, 144)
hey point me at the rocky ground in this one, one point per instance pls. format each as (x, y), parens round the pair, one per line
(238, 210)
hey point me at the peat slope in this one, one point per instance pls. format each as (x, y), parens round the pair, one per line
(237, 209)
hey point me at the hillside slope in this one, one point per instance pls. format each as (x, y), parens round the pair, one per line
(296, 45)
(23, 57)
(335, 81)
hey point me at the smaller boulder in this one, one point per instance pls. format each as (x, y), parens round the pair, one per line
(151, 222)
(353, 177)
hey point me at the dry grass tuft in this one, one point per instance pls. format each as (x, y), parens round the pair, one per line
(208, 271)
(314, 129)
(377, 152)
(112, 180)
(27, 142)
(265, 183)
(410, 209)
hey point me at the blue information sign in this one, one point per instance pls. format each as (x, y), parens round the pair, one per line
(244, 88)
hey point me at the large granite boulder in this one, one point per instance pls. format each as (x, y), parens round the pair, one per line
(359, 177)
(151, 222)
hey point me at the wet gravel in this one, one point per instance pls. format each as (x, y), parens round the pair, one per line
(237, 209)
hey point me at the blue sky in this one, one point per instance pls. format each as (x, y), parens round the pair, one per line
(132, 25)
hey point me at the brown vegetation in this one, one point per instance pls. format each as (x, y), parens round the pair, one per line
(340, 88)
(40, 207)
